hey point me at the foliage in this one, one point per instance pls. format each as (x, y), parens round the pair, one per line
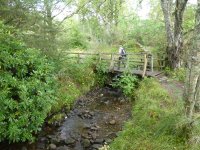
(144, 33)
(73, 37)
(101, 73)
(127, 83)
(189, 18)
(102, 18)
(178, 74)
(25, 88)
(97, 26)
(74, 79)
(154, 123)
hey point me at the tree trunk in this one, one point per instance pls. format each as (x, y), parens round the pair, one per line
(192, 86)
(174, 34)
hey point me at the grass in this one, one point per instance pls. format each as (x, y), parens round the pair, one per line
(178, 74)
(155, 121)
(74, 79)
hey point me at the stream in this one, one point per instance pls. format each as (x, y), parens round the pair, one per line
(94, 120)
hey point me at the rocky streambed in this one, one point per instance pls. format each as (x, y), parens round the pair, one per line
(93, 122)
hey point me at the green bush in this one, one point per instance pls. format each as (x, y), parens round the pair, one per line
(127, 83)
(101, 73)
(25, 88)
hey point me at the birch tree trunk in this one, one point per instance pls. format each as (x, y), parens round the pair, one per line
(174, 32)
(192, 85)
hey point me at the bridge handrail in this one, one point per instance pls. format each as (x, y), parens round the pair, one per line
(87, 53)
(146, 59)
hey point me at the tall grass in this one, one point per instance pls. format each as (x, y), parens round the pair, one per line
(155, 121)
(74, 79)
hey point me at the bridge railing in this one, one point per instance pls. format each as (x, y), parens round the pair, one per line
(142, 61)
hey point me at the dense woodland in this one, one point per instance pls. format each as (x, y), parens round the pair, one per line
(36, 80)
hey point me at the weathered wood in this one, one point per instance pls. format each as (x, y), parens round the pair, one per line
(112, 62)
(151, 63)
(133, 61)
(78, 61)
(127, 62)
(145, 65)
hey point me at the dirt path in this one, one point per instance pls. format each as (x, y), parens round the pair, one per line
(174, 88)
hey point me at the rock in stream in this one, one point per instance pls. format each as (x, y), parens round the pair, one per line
(95, 119)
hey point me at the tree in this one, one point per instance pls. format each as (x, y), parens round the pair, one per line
(16, 12)
(192, 87)
(174, 32)
(101, 18)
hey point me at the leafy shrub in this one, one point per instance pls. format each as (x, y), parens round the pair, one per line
(25, 88)
(127, 83)
(101, 73)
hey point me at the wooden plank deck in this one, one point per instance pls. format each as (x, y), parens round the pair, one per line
(138, 72)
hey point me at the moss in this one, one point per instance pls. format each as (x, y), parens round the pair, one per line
(57, 118)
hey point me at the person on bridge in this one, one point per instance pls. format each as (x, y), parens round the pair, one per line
(122, 56)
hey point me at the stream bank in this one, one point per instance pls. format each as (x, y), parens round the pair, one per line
(95, 120)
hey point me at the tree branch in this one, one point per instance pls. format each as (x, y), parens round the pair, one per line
(77, 11)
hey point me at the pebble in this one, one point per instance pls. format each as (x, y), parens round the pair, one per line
(97, 146)
(63, 148)
(70, 141)
(55, 140)
(52, 146)
(112, 135)
(86, 126)
(99, 141)
(86, 136)
(112, 122)
(24, 148)
(40, 145)
(108, 141)
(86, 142)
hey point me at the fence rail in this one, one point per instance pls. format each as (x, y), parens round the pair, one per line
(138, 62)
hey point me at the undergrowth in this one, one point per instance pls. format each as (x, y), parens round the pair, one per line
(74, 79)
(155, 123)
(127, 83)
(178, 74)
(101, 74)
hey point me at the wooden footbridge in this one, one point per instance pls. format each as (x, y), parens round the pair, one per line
(141, 63)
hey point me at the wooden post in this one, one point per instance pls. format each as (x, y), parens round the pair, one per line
(145, 65)
(112, 62)
(97, 59)
(151, 63)
(78, 61)
(99, 56)
(127, 62)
